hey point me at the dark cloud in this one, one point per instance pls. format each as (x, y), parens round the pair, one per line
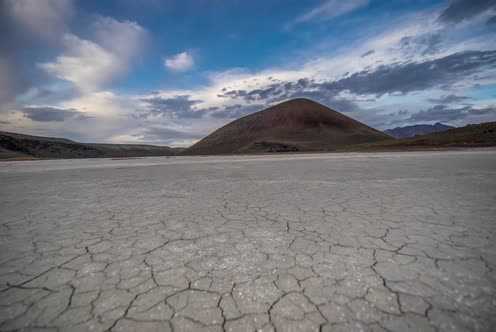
(84, 117)
(303, 88)
(181, 107)
(400, 114)
(47, 96)
(444, 113)
(461, 10)
(415, 76)
(405, 42)
(272, 93)
(367, 53)
(176, 104)
(233, 93)
(385, 79)
(483, 110)
(449, 99)
(52, 114)
(492, 21)
(257, 94)
(426, 44)
(237, 111)
(431, 43)
(329, 99)
(166, 134)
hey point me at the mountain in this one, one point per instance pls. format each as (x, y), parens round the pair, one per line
(294, 125)
(473, 135)
(421, 129)
(13, 145)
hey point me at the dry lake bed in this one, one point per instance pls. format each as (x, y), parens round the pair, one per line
(336, 242)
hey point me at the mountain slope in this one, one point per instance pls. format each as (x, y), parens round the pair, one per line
(13, 145)
(474, 135)
(294, 125)
(421, 129)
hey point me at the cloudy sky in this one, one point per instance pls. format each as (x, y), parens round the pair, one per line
(170, 72)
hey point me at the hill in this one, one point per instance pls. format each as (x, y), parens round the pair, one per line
(13, 145)
(473, 135)
(421, 129)
(294, 125)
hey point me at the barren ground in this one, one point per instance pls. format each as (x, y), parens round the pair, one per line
(380, 242)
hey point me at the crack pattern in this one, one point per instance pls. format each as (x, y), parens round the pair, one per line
(391, 242)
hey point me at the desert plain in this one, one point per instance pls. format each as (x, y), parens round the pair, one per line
(304, 242)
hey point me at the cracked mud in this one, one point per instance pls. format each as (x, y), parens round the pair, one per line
(344, 242)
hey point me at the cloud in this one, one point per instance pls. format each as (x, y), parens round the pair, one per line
(449, 99)
(12, 82)
(385, 79)
(443, 113)
(237, 111)
(90, 65)
(272, 92)
(427, 44)
(415, 76)
(24, 25)
(367, 53)
(431, 42)
(179, 107)
(46, 19)
(331, 9)
(179, 62)
(330, 99)
(167, 134)
(108, 115)
(125, 39)
(84, 63)
(460, 10)
(51, 114)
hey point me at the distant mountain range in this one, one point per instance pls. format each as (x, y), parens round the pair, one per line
(14, 145)
(473, 135)
(295, 125)
(421, 129)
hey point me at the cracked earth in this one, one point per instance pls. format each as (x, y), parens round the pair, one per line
(338, 242)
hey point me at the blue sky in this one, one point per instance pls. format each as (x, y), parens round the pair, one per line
(170, 72)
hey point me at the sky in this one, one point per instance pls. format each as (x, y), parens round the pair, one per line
(170, 72)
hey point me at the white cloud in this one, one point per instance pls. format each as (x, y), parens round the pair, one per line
(90, 65)
(84, 63)
(179, 62)
(108, 112)
(331, 9)
(125, 39)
